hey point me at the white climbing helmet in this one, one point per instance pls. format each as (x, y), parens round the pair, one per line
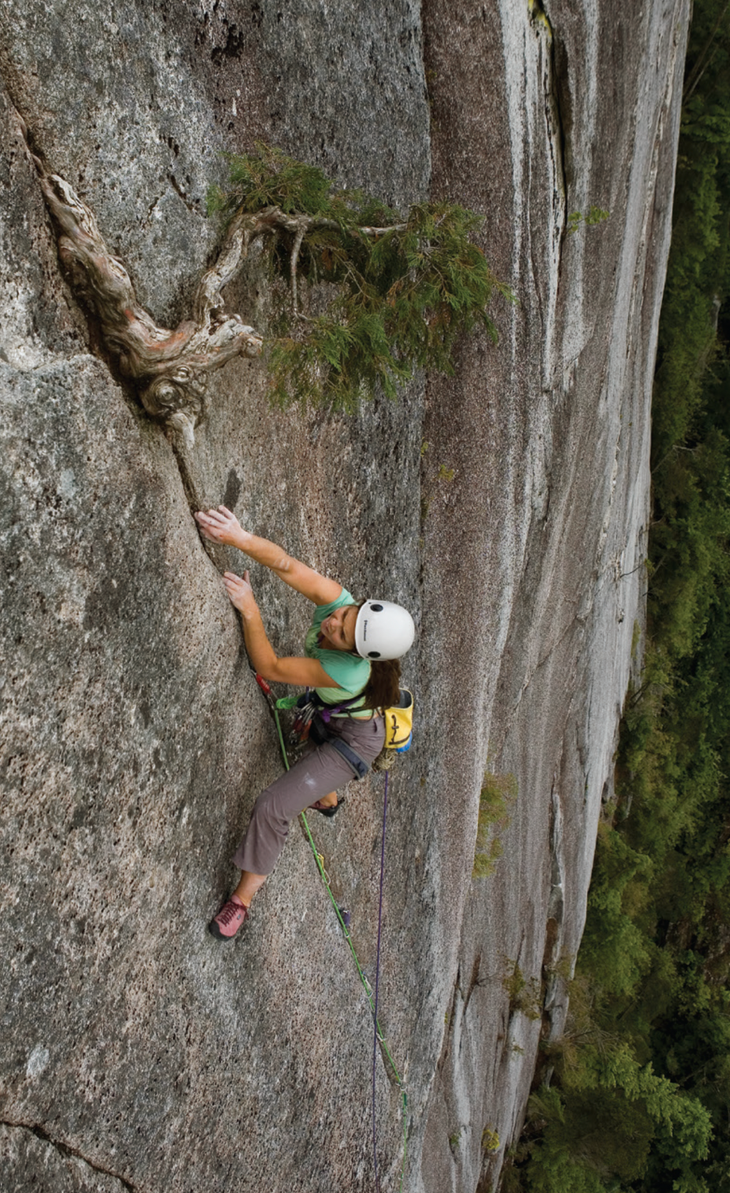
(383, 630)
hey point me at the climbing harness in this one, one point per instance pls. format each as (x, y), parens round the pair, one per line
(312, 724)
(319, 734)
(343, 916)
(312, 717)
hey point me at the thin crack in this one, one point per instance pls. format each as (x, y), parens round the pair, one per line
(66, 1150)
(179, 191)
(554, 113)
(562, 139)
(474, 981)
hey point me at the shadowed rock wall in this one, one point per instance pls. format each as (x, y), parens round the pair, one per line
(136, 1052)
(541, 539)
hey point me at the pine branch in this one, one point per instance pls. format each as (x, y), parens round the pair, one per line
(401, 291)
(405, 289)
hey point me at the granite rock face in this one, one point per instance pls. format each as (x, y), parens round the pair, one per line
(541, 540)
(29, 1161)
(507, 506)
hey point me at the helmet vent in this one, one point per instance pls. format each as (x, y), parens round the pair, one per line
(373, 654)
(377, 608)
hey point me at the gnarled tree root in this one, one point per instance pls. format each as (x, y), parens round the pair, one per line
(169, 368)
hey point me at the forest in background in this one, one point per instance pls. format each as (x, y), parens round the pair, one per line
(636, 1095)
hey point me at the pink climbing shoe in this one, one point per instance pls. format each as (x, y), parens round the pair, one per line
(232, 916)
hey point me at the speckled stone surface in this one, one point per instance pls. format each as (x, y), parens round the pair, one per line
(505, 506)
(29, 1161)
(540, 538)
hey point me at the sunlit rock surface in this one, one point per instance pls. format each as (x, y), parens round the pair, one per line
(540, 539)
(507, 506)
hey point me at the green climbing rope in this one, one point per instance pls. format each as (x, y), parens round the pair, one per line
(289, 702)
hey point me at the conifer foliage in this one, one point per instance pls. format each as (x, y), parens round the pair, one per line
(365, 295)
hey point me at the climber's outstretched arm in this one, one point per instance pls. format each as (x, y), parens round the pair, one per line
(305, 673)
(221, 526)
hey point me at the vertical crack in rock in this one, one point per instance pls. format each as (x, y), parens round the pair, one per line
(182, 195)
(474, 981)
(66, 1150)
(555, 977)
(170, 368)
(556, 907)
(556, 75)
(555, 72)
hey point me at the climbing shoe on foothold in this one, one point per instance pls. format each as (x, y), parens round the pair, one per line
(232, 916)
(328, 811)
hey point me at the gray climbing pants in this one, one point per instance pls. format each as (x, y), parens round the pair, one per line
(320, 770)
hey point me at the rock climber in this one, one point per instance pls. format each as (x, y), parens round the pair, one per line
(351, 654)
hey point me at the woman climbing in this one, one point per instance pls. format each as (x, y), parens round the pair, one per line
(351, 655)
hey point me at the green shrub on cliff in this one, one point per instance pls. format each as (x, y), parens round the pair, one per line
(364, 296)
(610, 1114)
(497, 795)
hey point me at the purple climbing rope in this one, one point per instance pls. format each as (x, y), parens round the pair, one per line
(377, 978)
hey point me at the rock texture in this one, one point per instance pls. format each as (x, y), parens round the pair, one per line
(30, 1161)
(542, 537)
(506, 506)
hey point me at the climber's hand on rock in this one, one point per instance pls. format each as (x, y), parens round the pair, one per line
(241, 593)
(221, 526)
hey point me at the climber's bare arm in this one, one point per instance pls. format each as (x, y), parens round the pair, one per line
(300, 671)
(221, 526)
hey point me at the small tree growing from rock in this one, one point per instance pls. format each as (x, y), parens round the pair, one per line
(361, 295)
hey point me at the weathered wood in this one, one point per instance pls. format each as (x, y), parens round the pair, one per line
(170, 368)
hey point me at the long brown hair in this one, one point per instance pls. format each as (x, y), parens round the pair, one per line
(383, 688)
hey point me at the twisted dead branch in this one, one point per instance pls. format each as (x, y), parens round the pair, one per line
(169, 368)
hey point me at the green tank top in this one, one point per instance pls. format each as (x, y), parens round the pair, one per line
(348, 670)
